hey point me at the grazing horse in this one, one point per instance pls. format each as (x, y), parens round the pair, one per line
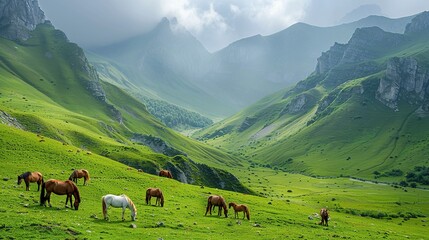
(155, 192)
(79, 174)
(240, 208)
(165, 173)
(58, 187)
(215, 200)
(324, 214)
(31, 177)
(122, 201)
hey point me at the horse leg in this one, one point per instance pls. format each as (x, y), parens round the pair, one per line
(207, 209)
(123, 212)
(48, 197)
(27, 185)
(219, 211)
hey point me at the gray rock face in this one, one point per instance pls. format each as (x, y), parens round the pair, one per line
(19, 17)
(419, 24)
(157, 145)
(331, 58)
(7, 119)
(364, 45)
(404, 77)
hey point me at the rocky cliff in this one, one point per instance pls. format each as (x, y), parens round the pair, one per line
(407, 79)
(19, 17)
(365, 45)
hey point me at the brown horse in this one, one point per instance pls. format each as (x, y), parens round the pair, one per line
(58, 187)
(240, 208)
(324, 214)
(31, 177)
(165, 173)
(155, 192)
(79, 174)
(215, 200)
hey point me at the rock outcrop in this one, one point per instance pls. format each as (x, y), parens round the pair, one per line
(157, 145)
(7, 119)
(18, 18)
(365, 45)
(404, 78)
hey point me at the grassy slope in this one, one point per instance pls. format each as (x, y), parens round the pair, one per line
(279, 213)
(43, 87)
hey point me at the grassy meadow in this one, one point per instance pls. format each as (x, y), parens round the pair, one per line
(280, 212)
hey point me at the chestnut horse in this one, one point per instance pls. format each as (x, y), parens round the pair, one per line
(122, 201)
(240, 208)
(215, 200)
(165, 173)
(79, 174)
(155, 192)
(58, 187)
(31, 177)
(324, 214)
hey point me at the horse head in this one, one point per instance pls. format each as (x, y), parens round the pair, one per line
(19, 180)
(76, 205)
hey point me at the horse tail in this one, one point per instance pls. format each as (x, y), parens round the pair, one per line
(42, 194)
(248, 213)
(103, 203)
(169, 175)
(162, 199)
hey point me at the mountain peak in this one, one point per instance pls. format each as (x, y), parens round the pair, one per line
(19, 17)
(419, 24)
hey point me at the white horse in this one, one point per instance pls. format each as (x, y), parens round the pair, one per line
(122, 201)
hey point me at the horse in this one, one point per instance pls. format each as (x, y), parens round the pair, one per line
(31, 177)
(122, 201)
(324, 214)
(165, 173)
(79, 174)
(58, 187)
(240, 208)
(155, 192)
(215, 200)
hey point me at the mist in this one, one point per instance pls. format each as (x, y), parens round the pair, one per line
(216, 24)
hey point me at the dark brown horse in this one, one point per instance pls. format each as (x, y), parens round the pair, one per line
(324, 215)
(215, 200)
(165, 173)
(82, 173)
(31, 177)
(155, 192)
(240, 208)
(58, 187)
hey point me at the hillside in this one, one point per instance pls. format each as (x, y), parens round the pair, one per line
(169, 63)
(283, 211)
(362, 113)
(49, 88)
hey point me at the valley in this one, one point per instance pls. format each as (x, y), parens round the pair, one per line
(346, 130)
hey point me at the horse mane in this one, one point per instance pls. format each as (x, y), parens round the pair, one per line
(131, 204)
(76, 190)
(24, 175)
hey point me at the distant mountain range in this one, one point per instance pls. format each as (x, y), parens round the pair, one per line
(363, 112)
(169, 63)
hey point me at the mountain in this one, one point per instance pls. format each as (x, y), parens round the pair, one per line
(175, 67)
(48, 87)
(363, 111)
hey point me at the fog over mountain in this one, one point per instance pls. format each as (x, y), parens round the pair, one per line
(215, 23)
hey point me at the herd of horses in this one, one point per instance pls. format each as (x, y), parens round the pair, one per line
(69, 188)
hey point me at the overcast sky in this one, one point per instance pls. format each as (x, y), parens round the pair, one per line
(216, 23)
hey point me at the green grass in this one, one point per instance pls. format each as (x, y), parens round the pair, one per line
(281, 212)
